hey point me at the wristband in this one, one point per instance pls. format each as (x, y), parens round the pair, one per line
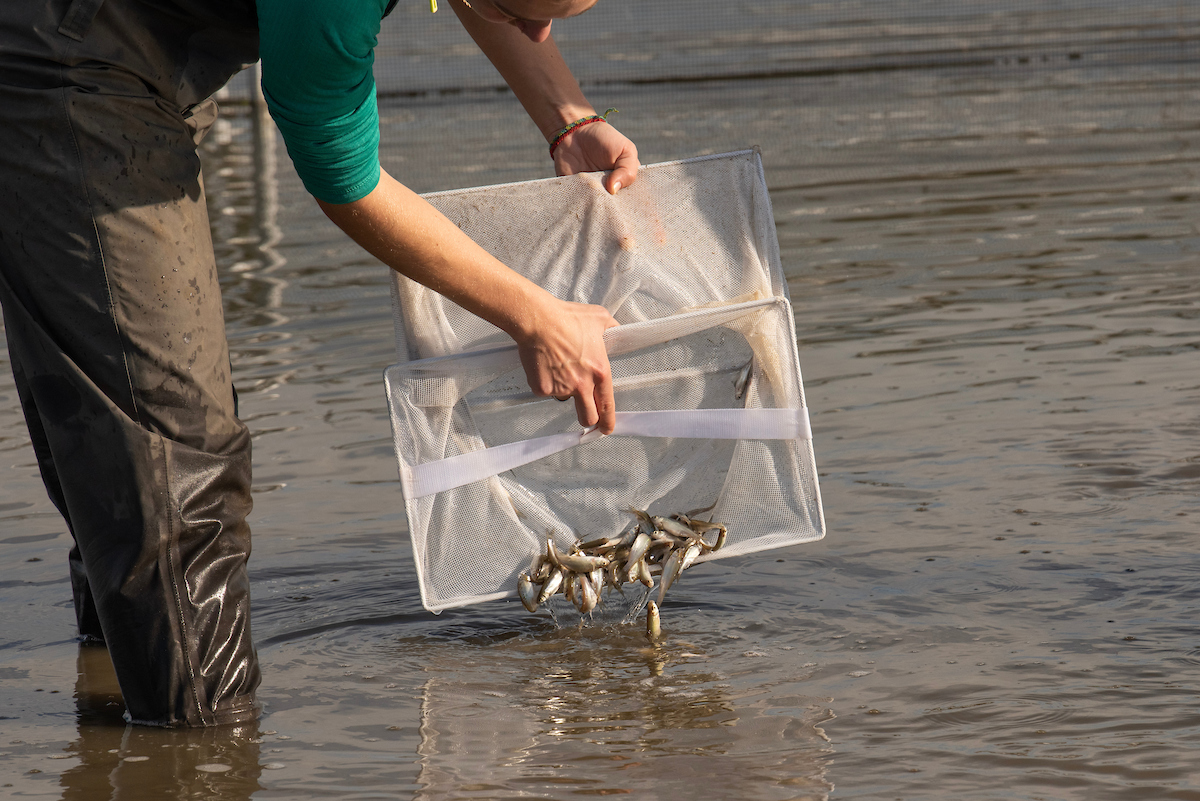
(579, 123)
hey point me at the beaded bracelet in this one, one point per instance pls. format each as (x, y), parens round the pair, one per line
(579, 123)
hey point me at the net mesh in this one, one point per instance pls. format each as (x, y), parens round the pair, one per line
(686, 260)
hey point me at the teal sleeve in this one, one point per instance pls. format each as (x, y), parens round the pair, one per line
(317, 58)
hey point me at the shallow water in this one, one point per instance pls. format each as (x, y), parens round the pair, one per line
(993, 270)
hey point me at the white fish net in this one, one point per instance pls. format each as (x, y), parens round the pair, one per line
(687, 261)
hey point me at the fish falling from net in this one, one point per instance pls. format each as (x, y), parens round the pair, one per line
(654, 547)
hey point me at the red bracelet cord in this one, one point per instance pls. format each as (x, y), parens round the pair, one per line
(562, 134)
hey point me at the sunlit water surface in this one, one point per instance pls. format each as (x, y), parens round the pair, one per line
(997, 298)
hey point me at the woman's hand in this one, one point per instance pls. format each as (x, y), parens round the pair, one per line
(561, 343)
(550, 94)
(564, 356)
(595, 147)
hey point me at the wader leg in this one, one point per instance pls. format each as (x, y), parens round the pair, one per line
(114, 323)
(85, 607)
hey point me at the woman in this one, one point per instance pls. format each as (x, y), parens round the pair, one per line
(112, 308)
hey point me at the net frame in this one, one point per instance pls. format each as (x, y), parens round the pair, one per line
(687, 260)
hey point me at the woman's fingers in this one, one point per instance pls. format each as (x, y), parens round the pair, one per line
(605, 404)
(595, 148)
(566, 358)
(597, 407)
(623, 174)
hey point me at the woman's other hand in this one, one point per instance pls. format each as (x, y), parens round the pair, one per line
(595, 147)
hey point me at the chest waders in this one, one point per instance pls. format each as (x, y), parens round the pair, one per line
(113, 318)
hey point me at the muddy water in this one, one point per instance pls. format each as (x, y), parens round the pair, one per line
(994, 272)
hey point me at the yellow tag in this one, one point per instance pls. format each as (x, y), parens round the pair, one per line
(433, 6)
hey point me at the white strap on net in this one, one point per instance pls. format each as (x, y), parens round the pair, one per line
(434, 477)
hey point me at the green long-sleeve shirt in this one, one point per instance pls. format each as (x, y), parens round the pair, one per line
(317, 59)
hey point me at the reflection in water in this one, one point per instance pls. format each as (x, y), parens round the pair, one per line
(131, 763)
(597, 712)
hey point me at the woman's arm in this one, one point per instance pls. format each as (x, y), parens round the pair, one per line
(561, 343)
(543, 82)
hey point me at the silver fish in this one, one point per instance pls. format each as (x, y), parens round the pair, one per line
(636, 552)
(671, 571)
(653, 622)
(659, 551)
(598, 546)
(641, 572)
(582, 563)
(574, 592)
(587, 595)
(663, 539)
(673, 527)
(662, 547)
(612, 577)
(643, 517)
(703, 526)
(551, 585)
(539, 569)
(628, 536)
(528, 592)
(551, 550)
(720, 538)
(571, 588)
(597, 579)
(743, 379)
(701, 511)
(716, 546)
(700, 526)
(689, 555)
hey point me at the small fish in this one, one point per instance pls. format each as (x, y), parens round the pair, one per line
(528, 592)
(582, 563)
(700, 526)
(643, 517)
(628, 536)
(661, 538)
(598, 545)
(551, 550)
(671, 571)
(636, 552)
(660, 549)
(612, 577)
(569, 593)
(653, 623)
(689, 555)
(716, 546)
(539, 569)
(743, 379)
(673, 527)
(551, 585)
(587, 595)
(701, 511)
(643, 573)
